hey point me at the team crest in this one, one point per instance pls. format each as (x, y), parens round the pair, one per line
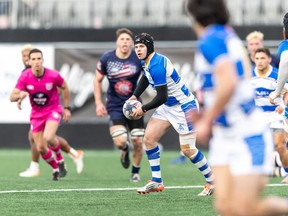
(49, 86)
(30, 87)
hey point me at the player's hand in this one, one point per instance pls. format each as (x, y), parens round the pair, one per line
(101, 110)
(66, 115)
(280, 109)
(203, 131)
(133, 97)
(193, 115)
(274, 98)
(138, 111)
(22, 96)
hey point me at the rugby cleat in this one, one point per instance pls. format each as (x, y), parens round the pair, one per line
(62, 169)
(125, 160)
(208, 190)
(135, 177)
(30, 173)
(55, 176)
(285, 180)
(150, 187)
(79, 161)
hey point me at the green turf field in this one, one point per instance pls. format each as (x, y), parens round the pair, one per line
(103, 188)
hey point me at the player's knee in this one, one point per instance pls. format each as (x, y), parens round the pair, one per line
(280, 147)
(137, 133)
(49, 138)
(119, 136)
(188, 144)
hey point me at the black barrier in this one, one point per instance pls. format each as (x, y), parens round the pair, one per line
(108, 34)
(80, 136)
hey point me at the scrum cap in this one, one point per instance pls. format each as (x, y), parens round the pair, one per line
(146, 39)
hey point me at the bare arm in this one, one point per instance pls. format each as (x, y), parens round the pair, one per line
(66, 100)
(15, 95)
(100, 108)
(18, 96)
(283, 72)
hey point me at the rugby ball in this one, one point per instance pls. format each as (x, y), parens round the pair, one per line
(129, 107)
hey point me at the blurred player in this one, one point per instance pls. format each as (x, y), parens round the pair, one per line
(34, 169)
(254, 41)
(240, 141)
(264, 81)
(282, 79)
(41, 85)
(122, 68)
(173, 101)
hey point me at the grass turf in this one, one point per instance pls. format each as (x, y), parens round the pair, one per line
(103, 188)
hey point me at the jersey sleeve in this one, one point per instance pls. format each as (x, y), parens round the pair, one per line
(159, 73)
(101, 64)
(219, 48)
(283, 46)
(21, 82)
(59, 80)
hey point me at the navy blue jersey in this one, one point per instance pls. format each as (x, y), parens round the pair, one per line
(122, 75)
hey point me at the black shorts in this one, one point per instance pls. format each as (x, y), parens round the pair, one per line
(131, 124)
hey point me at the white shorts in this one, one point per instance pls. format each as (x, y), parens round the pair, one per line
(274, 120)
(247, 147)
(176, 115)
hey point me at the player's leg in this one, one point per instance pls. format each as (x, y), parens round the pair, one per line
(119, 135)
(222, 193)
(46, 153)
(50, 137)
(33, 169)
(155, 129)
(37, 129)
(281, 148)
(188, 147)
(178, 117)
(76, 155)
(250, 202)
(136, 134)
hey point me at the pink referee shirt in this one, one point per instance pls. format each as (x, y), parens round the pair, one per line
(43, 93)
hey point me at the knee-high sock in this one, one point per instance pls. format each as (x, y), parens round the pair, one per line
(154, 161)
(57, 150)
(200, 162)
(48, 157)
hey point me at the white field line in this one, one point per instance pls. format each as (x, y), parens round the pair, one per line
(111, 189)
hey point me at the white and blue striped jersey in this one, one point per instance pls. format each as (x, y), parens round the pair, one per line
(160, 71)
(263, 86)
(283, 46)
(225, 44)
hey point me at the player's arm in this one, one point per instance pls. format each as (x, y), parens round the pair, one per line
(66, 101)
(98, 87)
(226, 82)
(141, 87)
(100, 108)
(18, 96)
(282, 73)
(15, 95)
(160, 98)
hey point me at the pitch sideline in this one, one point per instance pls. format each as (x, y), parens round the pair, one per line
(111, 189)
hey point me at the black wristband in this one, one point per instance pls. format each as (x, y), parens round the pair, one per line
(68, 108)
(143, 109)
